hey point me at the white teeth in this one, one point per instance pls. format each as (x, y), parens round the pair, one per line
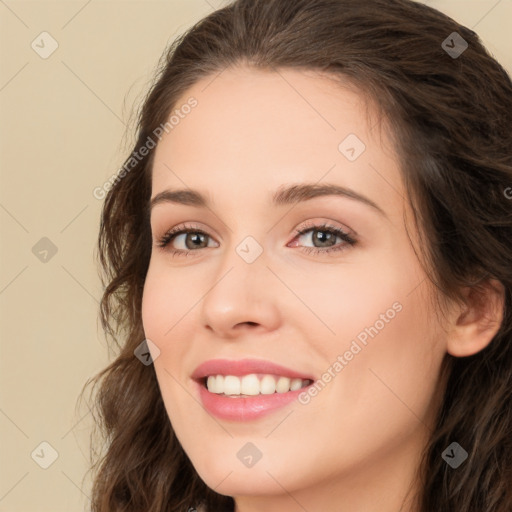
(231, 385)
(250, 385)
(211, 384)
(295, 384)
(283, 385)
(268, 385)
(219, 382)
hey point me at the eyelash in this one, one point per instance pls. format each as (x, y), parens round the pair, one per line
(167, 238)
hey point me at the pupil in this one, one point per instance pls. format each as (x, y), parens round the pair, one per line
(322, 238)
(196, 238)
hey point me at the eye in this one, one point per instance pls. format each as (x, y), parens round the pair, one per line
(194, 239)
(326, 236)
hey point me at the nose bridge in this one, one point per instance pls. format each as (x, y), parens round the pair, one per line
(240, 291)
(241, 267)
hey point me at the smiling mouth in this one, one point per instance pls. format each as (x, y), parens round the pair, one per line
(253, 384)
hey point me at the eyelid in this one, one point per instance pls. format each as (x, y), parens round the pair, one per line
(326, 224)
(180, 229)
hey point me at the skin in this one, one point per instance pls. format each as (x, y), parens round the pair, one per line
(355, 446)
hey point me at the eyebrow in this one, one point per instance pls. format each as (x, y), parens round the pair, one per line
(284, 195)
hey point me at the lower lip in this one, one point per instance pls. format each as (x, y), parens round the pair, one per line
(245, 409)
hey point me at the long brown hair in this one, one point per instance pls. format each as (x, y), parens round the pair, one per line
(452, 126)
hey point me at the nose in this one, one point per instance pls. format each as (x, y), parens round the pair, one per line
(242, 297)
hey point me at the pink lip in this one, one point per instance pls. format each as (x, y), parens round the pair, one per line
(244, 408)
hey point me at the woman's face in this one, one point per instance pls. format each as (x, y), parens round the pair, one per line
(351, 313)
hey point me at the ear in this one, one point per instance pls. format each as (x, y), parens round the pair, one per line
(476, 324)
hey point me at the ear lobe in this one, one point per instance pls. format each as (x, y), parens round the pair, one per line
(478, 322)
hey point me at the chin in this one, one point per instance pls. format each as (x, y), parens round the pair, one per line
(244, 483)
(234, 479)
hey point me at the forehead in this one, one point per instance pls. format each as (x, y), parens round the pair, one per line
(253, 131)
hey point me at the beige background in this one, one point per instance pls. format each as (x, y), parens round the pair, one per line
(65, 128)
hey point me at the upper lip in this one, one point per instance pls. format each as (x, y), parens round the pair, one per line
(245, 367)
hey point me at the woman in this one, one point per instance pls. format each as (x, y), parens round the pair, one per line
(311, 243)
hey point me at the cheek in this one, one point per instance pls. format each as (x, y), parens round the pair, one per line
(164, 301)
(164, 310)
(392, 366)
(359, 303)
(387, 336)
(169, 317)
